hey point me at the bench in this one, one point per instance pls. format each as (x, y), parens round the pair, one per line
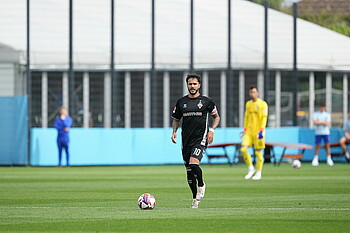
(337, 145)
(269, 151)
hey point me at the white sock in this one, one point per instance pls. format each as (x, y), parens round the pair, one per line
(251, 168)
(316, 157)
(258, 173)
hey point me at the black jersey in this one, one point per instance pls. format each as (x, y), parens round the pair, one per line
(195, 114)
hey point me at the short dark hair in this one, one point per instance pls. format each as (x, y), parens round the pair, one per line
(197, 76)
(323, 104)
(253, 87)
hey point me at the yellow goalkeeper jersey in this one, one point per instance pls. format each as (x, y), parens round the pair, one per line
(255, 116)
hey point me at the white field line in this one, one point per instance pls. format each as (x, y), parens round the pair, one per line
(101, 207)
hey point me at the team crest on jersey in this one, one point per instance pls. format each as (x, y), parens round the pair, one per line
(256, 107)
(200, 105)
(185, 106)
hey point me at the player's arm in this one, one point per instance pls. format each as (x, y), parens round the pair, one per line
(264, 114)
(316, 122)
(216, 121)
(176, 124)
(176, 115)
(68, 123)
(210, 134)
(245, 120)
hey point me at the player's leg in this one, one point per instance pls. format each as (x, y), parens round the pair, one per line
(259, 144)
(195, 159)
(328, 150)
(191, 179)
(59, 144)
(317, 148)
(247, 157)
(66, 148)
(343, 142)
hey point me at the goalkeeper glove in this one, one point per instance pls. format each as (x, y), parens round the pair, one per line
(261, 135)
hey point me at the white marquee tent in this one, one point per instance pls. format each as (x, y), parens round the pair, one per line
(318, 47)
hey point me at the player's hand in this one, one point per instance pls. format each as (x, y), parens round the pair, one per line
(241, 134)
(173, 137)
(261, 134)
(210, 137)
(66, 129)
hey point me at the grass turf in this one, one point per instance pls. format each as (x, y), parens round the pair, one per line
(104, 199)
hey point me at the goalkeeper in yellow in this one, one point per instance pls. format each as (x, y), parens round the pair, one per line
(255, 119)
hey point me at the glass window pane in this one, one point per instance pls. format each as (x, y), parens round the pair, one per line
(250, 80)
(232, 99)
(214, 90)
(271, 100)
(176, 87)
(54, 96)
(303, 99)
(97, 98)
(36, 99)
(78, 119)
(137, 98)
(118, 99)
(287, 86)
(337, 100)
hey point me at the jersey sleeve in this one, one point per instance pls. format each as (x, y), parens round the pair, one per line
(177, 114)
(69, 122)
(245, 121)
(264, 114)
(212, 108)
(57, 124)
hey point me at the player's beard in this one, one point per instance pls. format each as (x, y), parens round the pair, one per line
(189, 91)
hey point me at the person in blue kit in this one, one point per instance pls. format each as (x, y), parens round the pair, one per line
(322, 122)
(63, 124)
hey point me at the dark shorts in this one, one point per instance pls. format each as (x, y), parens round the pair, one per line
(319, 138)
(196, 151)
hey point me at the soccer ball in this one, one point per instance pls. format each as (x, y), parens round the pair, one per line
(296, 164)
(146, 201)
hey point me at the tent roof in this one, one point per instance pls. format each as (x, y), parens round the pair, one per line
(8, 54)
(318, 47)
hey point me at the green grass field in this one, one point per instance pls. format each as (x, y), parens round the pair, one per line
(104, 199)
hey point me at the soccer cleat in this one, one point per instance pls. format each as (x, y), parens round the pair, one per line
(347, 155)
(330, 161)
(200, 192)
(250, 174)
(315, 162)
(257, 176)
(195, 203)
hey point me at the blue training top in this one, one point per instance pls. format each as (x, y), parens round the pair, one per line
(61, 124)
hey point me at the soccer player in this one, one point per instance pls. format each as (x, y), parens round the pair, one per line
(63, 124)
(346, 139)
(322, 120)
(255, 118)
(194, 110)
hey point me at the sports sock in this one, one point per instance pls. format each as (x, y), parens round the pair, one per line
(198, 174)
(192, 182)
(260, 160)
(246, 156)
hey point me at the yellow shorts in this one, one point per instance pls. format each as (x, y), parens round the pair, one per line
(249, 140)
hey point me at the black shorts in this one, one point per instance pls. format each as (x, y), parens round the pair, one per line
(196, 151)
